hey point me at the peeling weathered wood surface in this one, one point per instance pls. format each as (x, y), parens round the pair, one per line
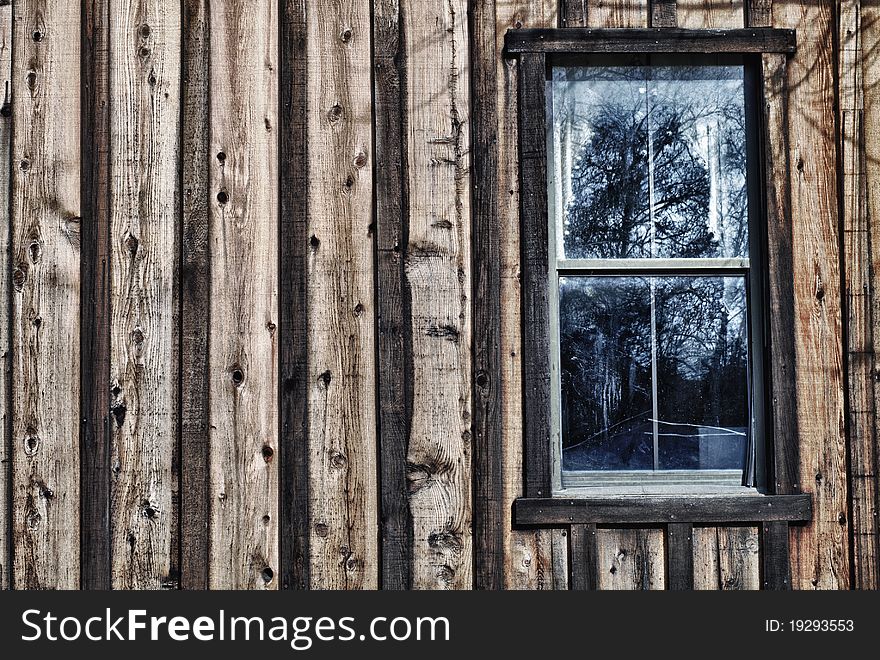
(5, 292)
(438, 274)
(144, 123)
(46, 293)
(533, 559)
(343, 509)
(244, 295)
(726, 558)
(710, 14)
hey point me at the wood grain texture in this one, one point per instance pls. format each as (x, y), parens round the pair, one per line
(394, 316)
(438, 272)
(488, 456)
(727, 558)
(866, 570)
(617, 13)
(859, 294)
(194, 291)
(144, 124)
(293, 190)
(759, 13)
(538, 558)
(680, 557)
(584, 551)
(820, 552)
(343, 506)
(95, 432)
(631, 559)
(244, 295)
(46, 294)
(573, 13)
(710, 14)
(663, 13)
(775, 550)
(5, 293)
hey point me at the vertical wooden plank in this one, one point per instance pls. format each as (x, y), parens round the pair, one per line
(584, 558)
(859, 291)
(534, 293)
(46, 294)
(760, 13)
(631, 559)
(293, 190)
(534, 559)
(726, 558)
(244, 295)
(618, 14)
(487, 438)
(775, 549)
(680, 556)
(5, 300)
(438, 272)
(342, 400)
(573, 12)
(710, 14)
(820, 551)
(194, 292)
(663, 13)
(144, 195)
(95, 311)
(869, 36)
(395, 378)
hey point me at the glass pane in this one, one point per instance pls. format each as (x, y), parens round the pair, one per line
(619, 195)
(654, 361)
(605, 350)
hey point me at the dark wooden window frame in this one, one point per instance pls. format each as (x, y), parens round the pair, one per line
(784, 503)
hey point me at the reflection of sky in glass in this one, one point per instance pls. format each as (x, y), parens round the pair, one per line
(653, 362)
(619, 195)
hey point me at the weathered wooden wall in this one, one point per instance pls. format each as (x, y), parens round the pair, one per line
(261, 309)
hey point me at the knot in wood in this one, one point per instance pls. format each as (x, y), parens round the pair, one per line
(335, 113)
(321, 529)
(24, 165)
(268, 453)
(360, 160)
(345, 35)
(325, 378)
(137, 336)
(337, 460)
(19, 275)
(267, 574)
(145, 31)
(31, 442)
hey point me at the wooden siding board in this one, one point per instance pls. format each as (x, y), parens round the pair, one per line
(144, 197)
(775, 549)
(710, 14)
(867, 569)
(759, 13)
(195, 282)
(438, 272)
(393, 312)
(243, 295)
(537, 558)
(727, 558)
(663, 13)
(631, 559)
(343, 506)
(5, 295)
(46, 216)
(617, 13)
(820, 551)
(95, 431)
(487, 438)
(584, 557)
(573, 13)
(680, 556)
(293, 191)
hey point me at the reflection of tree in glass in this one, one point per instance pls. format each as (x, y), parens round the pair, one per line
(698, 147)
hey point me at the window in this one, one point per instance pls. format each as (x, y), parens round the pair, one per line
(654, 299)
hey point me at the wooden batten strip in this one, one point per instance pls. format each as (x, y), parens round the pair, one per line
(680, 556)
(584, 557)
(486, 264)
(95, 312)
(5, 295)
(194, 291)
(535, 278)
(775, 564)
(663, 13)
(293, 190)
(759, 13)
(393, 303)
(574, 13)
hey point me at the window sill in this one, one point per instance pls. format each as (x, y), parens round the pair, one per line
(654, 509)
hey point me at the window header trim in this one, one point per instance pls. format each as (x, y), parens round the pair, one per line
(663, 40)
